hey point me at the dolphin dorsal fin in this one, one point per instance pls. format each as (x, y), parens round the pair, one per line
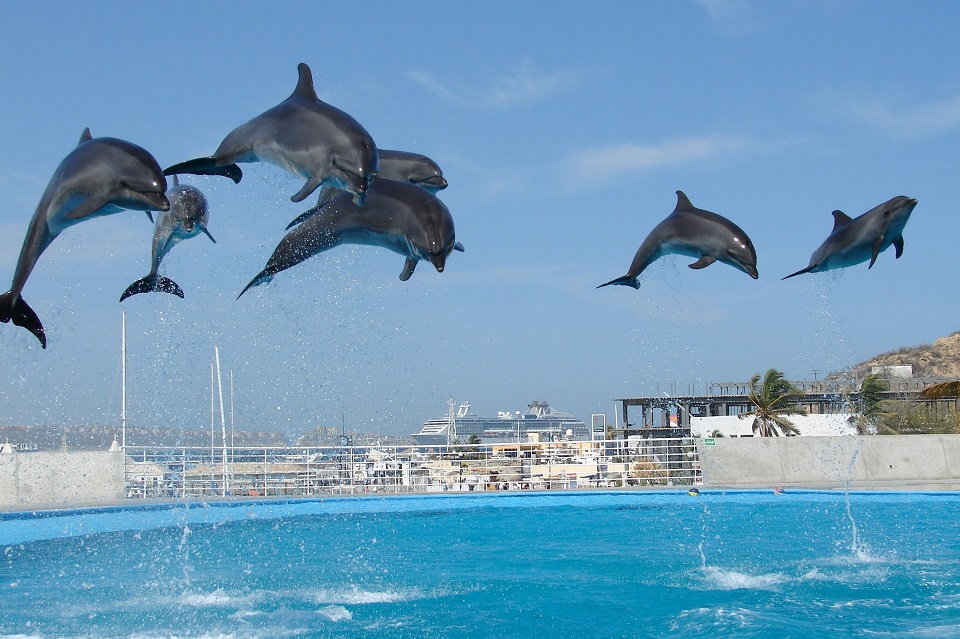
(683, 202)
(305, 83)
(839, 219)
(85, 136)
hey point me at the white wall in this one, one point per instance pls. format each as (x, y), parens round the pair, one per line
(875, 461)
(60, 479)
(810, 425)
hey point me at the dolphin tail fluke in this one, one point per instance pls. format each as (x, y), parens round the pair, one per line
(262, 277)
(809, 269)
(22, 315)
(153, 283)
(206, 166)
(626, 280)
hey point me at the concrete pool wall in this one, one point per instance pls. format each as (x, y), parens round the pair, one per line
(56, 479)
(888, 461)
(919, 462)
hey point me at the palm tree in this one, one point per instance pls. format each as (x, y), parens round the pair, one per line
(870, 406)
(773, 398)
(945, 390)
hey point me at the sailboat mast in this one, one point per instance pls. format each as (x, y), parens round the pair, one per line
(123, 380)
(223, 424)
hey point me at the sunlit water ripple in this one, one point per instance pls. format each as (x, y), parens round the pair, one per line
(598, 564)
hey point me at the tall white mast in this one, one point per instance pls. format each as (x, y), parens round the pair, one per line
(211, 421)
(223, 424)
(231, 411)
(123, 380)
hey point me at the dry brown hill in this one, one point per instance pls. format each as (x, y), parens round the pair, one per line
(940, 359)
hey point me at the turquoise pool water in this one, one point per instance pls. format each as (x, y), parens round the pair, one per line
(548, 565)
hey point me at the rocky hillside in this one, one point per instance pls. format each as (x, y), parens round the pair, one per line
(940, 359)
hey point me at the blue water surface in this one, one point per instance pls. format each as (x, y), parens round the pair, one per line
(546, 565)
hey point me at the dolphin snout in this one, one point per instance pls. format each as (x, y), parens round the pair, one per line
(438, 261)
(159, 201)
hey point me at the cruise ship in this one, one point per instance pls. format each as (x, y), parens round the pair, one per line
(540, 422)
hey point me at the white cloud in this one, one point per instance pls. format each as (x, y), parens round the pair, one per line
(605, 164)
(917, 121)
(525, 85)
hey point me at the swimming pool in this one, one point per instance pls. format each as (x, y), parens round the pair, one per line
(588, 564)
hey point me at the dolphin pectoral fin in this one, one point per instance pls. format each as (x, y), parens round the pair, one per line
(703, 262)
(303, 217)
(408, 267)
(22, 315)
(262, 277)
(809, 269)
(206, 166)
(153, 283)
(898, 244)
(207, 233)
(626, 280)
(876, 251)
(150, 216)
(312, 185)
(458, 247)
(327, 193)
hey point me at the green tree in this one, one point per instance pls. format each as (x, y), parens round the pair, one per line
(773, 398)
(870, 407)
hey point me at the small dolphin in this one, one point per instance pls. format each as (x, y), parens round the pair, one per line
(398, 216)
(695, 233)
(186, 218)
(394, 165)
(302, 135)
(99, 177)
(856, 240)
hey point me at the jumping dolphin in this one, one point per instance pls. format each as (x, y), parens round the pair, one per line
(398, 216)
(394, 165)
(99, 177)
(186, 218)
(302, 135)
(857, 240)
(696, 233)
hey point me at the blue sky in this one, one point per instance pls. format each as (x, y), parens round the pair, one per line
(564, 132)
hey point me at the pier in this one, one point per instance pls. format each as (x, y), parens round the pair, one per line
(667, 415)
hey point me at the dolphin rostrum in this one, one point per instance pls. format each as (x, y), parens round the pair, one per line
(186, 218)
(302, 135)
(394, 165)
(99, 177)
(857, 240)
(398, 216)
(695, 233)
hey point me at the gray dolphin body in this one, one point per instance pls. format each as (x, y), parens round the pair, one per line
(99, 177)
(186, 218)
(696, 233)
(398, 216)
(394, 165)
(302, 135)
(856, 240)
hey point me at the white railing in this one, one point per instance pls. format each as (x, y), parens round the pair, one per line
(151, 472)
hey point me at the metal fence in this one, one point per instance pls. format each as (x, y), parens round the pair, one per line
(304, 471)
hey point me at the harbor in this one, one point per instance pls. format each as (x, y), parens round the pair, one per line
(290, 472)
